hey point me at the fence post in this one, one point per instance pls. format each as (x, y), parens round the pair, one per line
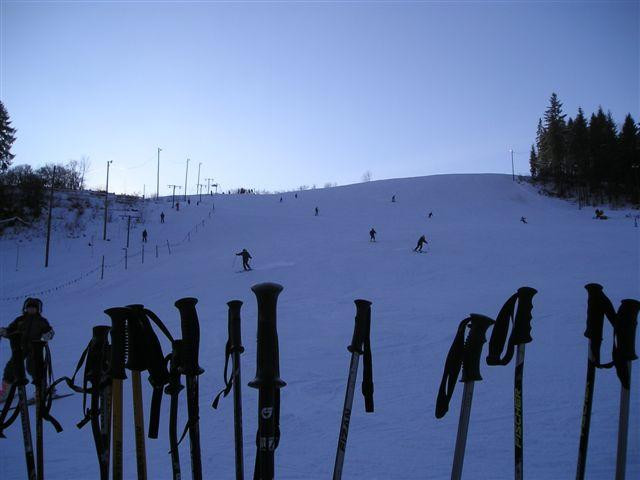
(168, 247)
(125, 257)
(102, 269)
(156, 250)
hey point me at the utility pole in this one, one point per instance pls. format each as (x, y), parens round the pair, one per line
(106, 202)
(200, 185)
(199, 165)
(216, 187)
(513, 172)
(158, 176)
(144, 190)
(173, 196)
(209, 180)
(128, 217)
(185, 180)
(46, 255)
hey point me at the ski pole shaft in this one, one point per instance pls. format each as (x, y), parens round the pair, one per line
(116, 393)
(463, 428)
(173, 389)
(623, 429)
(518, 425)
(346, 416)
(39, 379)
(586, 418)
(235, 339)
(138, 418)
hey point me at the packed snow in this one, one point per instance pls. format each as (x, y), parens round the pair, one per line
(479, 253)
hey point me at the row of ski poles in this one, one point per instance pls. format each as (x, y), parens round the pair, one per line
(135, 346)
(130, 343)
(465, 355)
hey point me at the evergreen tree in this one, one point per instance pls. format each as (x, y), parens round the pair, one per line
(7, 137)
(555, 128)
(542, 158)
(629, 151)
(577, 146)
(533, 162)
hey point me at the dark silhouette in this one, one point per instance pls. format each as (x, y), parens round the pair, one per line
(280, 199)
(316, 211)
(188, 201)
(600, 215)
(372, 235)
(393, 199)
(32, 326)
(523, 219)
(245, 259)
(430, 214)
(177, 206)
(144, 236)
(162, 217)
(421, 242)
(296, 195)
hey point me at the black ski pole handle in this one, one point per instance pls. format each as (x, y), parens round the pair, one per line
(175, 364)
(37, 355)
(627, 322)
(118, 317)
(268, 362)
(473, 347)
(598, 305)
(190, 335)
(235, 337)
(522, 323)
(136, 357)
(363, 311)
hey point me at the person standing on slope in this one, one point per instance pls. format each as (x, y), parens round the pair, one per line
(317, 211)
(372, 235)
(421, 242)
(144, 236)
(245, 259)
(31, 326)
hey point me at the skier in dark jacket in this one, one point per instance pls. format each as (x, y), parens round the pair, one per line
(421, 242)
(162, 217)
(317, 211)
(372, 235)
(31, 326)
(144, 236)
(245, 259)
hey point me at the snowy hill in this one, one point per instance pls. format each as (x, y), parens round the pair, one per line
(479, 254)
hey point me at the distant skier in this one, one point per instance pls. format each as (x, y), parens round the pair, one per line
(372, 235)
(421, 242)
(393, 199)
(280, 199)
(523, 219)
(296, 195)
(430, 214)
(162, 217)
(317, 211)
(177, 206)
(188, 201)
(245, 259)
(31, 326)
(144, 236)
(600, 215)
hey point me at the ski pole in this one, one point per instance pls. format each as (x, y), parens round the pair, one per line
(17, 356)
(360, 345)
(136, 362)
(598, 305)
(463, 355)
(173, 389)
(267, 380)
(624, 354)
(39, 379)
(520, 336)
(191, 369)
(118, 317)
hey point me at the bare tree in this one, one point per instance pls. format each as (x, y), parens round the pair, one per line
(85, 165)
(366, 176)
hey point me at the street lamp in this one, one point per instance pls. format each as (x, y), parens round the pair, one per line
(106, 202)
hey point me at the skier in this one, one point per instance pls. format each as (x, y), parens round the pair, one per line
(316, 211)
(421, 242)
(32, 326)
(188, 201)
(177, 206)
(523, 219)
(296, 195)
(280, 199)
(162, 217)
(430, 214)
(144, 236)
(372, 235)
(245, 259)
(393, 199)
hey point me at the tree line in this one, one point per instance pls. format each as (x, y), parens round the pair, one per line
(593, 160)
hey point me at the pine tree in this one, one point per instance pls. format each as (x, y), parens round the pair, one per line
(629, 151)
(533, 162)
(555, 128)
(7, 137)
(543, 157)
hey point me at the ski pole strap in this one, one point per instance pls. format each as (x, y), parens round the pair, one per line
(234, 344)
(5, 411)
(521, 330)
(624, 349)
(361, 343)
(452, 367)
(598, 305)
(41, 366)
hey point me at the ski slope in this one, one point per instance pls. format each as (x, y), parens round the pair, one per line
(479, 253)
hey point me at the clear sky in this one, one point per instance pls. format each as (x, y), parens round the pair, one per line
(275, 95)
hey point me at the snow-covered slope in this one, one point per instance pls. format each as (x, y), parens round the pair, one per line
(479, 254)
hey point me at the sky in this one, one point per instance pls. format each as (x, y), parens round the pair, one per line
(275, 95)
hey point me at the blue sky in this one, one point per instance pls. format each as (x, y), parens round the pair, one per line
(275, 95)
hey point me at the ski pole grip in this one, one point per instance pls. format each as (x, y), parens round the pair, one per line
(235, 337)
(17, 359)
(363, 311)
(190, 335)
(522, 322)
(136, 358)
(595, 311)
(118, 317)
(473, 347)
(175, 363)
(627, 324)
(37, 355)
(268, 361)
